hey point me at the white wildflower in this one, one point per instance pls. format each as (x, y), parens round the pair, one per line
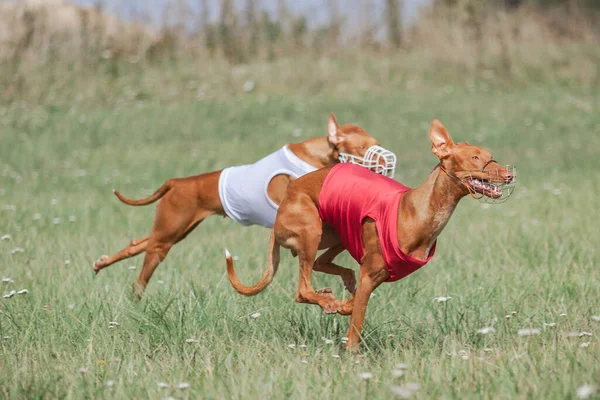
(579, 334)
(406, 391)
(528, 332)
(365, 376)
(56, 221)
(17, 250)
(23, 291)
(596, 318)
(10, 294)
(183, 385)
(72, 218)
(37, 216)
(586, 391)
(486, 330)
(255, 315)
(584, 345)
(110, 384)
(328, 341)
(160, 282)
(397, 373)
(336, 356)
(513, 313)
(516, 356)
(550, 324)
(67, 262)
(5, 237)
(401, 366)
(488, 350)
(562, 315)
(304, 361)
(7, 280)
(345, 339)
(132, 267)
(162, 385)
(302, 346)
(291, 346)
(464, 355)
(508, 316)
(248, 86)
(71, 306)
(192, 341)
(113, 323)
(442, 299)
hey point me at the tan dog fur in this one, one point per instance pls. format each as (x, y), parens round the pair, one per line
(423, 214)
(186, 202)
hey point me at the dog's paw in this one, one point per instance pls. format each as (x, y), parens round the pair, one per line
(345, 308)
(100, 263)
(330, 305)
(325, 292)
(330, 308)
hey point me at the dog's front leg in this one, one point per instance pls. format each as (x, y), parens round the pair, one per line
(324, 263)
(372, 274)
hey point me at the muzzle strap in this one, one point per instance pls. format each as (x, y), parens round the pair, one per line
(473, 194)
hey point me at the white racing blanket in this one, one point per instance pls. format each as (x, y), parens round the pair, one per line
(243, 189)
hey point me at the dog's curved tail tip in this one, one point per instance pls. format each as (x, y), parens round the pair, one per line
(160, 192)
(264, 281)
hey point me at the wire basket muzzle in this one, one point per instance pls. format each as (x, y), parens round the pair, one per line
(376, 158)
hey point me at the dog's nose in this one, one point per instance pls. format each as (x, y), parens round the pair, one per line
(508, 176)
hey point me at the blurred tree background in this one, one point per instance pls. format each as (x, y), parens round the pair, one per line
(519, 40)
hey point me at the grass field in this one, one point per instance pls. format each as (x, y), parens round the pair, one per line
(533, 258)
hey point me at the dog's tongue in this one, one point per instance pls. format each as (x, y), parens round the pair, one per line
(485, 188)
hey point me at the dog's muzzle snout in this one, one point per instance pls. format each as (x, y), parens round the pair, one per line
(502, 182)
(376, 158)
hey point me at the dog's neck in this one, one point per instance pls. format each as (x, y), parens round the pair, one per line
(425, 211)
(318, 152)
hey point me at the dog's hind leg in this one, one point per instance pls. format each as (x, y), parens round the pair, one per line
(300, 231)
(133, 249)
(167, 230)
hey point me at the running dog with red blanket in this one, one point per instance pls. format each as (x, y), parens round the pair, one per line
(391, 230)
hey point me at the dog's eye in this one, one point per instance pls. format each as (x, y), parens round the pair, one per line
(475, 158)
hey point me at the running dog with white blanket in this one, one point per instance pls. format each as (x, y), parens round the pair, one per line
(248, 194)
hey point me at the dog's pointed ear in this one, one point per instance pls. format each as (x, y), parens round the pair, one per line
(333, 128)
(441, 142)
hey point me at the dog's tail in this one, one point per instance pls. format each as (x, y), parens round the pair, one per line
(160, 192)
(268, 275)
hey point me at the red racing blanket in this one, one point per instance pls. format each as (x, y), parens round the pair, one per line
(352, 193)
